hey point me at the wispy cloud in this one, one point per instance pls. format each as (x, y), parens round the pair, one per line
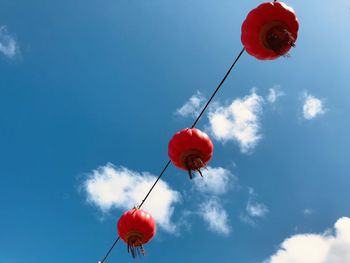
(253, 209)
(193, 106)
(216, 181)
(8, 45)
(329, 247)
(239, 121)
(274, 94)
(312, 107)
(216, 216)
(110, 187)
(307, 211)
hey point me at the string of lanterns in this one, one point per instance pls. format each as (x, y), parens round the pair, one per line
(268, 32)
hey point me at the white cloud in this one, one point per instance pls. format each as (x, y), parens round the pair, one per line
(215, 181)
(8, 45)
(192, 107)
(239, 121)
(255, 209)
(273, 95)
(312, 107)
(216, 217)
(329, 247)
(111, 187)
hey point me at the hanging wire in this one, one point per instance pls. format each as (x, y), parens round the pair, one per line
(150, 190)
(218, 87)
(193, 125)
(109, 251)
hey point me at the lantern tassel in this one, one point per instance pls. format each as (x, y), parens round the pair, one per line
(135, 247)
(198, 164)
(190, 174)
(189, 171)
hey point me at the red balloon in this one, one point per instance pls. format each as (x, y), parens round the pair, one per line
(270, 30)
(136, 227)
(191, 150)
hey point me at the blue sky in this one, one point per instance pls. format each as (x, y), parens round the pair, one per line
(92, 92)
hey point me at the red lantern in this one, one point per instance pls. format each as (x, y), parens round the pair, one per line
(191, 150)
(136, 227)
(270, 30)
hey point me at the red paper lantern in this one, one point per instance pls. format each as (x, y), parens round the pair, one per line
(191, 150)
(136, 227)
(270, 30)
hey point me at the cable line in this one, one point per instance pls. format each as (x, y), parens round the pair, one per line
(109, 251)
(218, 87)
(168, 163)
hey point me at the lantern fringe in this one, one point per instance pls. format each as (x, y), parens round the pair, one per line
(199, 164)
(136, 250)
